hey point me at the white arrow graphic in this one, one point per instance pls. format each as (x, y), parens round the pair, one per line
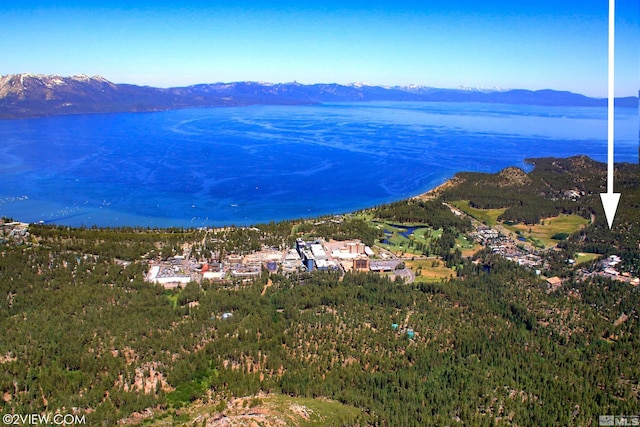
(610, 199)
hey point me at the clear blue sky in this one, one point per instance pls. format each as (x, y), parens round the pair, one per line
(557, 44)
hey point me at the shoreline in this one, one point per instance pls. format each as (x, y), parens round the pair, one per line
(435, 192)
(430, 194)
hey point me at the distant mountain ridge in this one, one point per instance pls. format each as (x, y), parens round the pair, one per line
(37, 95)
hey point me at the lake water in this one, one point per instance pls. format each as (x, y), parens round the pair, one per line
(246, 165)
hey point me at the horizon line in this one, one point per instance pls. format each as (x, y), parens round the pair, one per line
(350, 84)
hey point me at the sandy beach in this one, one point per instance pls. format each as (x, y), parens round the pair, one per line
(435, 192)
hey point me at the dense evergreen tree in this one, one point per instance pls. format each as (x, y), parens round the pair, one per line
(82, 329)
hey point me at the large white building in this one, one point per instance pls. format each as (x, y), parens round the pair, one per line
(168, 277)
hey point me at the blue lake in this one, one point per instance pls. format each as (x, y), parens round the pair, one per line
(246, 165)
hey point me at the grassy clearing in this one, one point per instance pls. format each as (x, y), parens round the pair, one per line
(463, 243)
(550, 227)
(366, 215)
(173, 298)
(486, 216)
(466, 246)
(540, 235)
(399, 244)
(471, 251)
(430, 270)
(266, 410)
(320, 411)
(584, 257)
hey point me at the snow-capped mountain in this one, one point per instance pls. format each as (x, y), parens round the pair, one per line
(34, 95)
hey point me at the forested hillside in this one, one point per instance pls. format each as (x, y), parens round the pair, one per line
(554, 186)
(490, 347)
(84, 333)
(568, 186)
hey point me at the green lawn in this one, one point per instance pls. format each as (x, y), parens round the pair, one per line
(463, 243)
(401, 244)
(549, 227)
(487, 216)
(583, 257)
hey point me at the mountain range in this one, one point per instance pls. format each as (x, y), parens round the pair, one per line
(37, 95)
